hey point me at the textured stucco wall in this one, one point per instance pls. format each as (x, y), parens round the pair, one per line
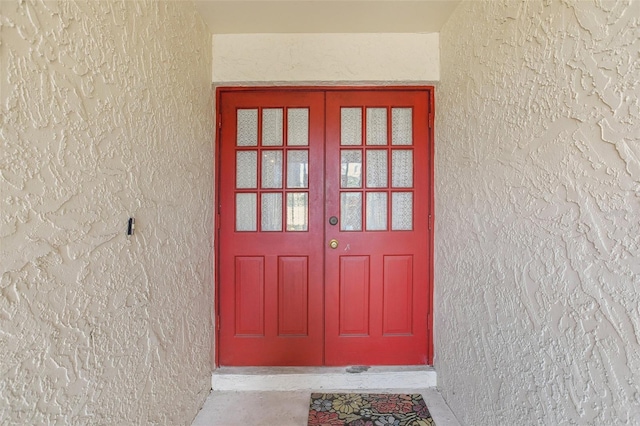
(325, 58)
(538, 213)
(106, 113)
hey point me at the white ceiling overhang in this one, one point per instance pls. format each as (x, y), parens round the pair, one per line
(325, 16)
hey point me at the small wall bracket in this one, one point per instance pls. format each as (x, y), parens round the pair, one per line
(131, 226)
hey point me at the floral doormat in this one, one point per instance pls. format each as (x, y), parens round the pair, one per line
(373, 409)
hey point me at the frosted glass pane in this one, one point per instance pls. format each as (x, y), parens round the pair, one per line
(272, 212)
(376, 126)
(376, 211)
(401, 126)
(298, 127)
(246, 169)
(298, 169)
(247, 127)
(351, 211)
(402, 211)
(401, 168)
(376, 168)
(272, 169)
(246, 212)
(351, 168)
(350, 126)
(297, 211)
(272, 127)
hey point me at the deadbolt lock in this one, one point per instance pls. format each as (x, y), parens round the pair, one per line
(333, 244)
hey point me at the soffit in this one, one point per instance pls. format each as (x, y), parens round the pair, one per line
(325, 16)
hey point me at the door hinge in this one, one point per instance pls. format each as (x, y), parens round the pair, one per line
(430, 222)
(219, 121)
(431, 120)
(217, 322)
(217, 220)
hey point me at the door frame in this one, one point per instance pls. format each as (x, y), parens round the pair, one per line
(429, 91)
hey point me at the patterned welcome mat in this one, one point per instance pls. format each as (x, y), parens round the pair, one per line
(362, 409)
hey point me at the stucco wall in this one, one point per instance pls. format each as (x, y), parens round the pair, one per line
(538, 213)
(325, 58)
(106, 114)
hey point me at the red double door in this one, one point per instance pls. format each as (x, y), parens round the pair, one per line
(324, 217)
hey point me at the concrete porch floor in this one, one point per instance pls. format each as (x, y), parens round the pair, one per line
(290, 408)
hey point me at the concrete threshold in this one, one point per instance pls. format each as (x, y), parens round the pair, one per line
(322, 378)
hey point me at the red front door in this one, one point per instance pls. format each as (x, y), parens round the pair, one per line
(324, 215)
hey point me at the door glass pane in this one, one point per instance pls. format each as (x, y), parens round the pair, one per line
(401, 126)
(297, 211)
(246, 169)
(376, 126)
(376, 211)
(247, 127)
(351, 211)
(376, 168)
(401, 168)
(272, 127)
(298, 169)
(350, 126)
(272, 212)
(272, 169)
(351, 168)
(402, 211)
(246, 212)
(298, 127)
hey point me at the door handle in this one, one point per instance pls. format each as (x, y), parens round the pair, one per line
(333, 244)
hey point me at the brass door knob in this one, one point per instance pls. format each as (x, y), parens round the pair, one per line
(333, 244)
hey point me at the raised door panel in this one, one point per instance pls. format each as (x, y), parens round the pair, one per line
(354, 296)
(293, 296)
